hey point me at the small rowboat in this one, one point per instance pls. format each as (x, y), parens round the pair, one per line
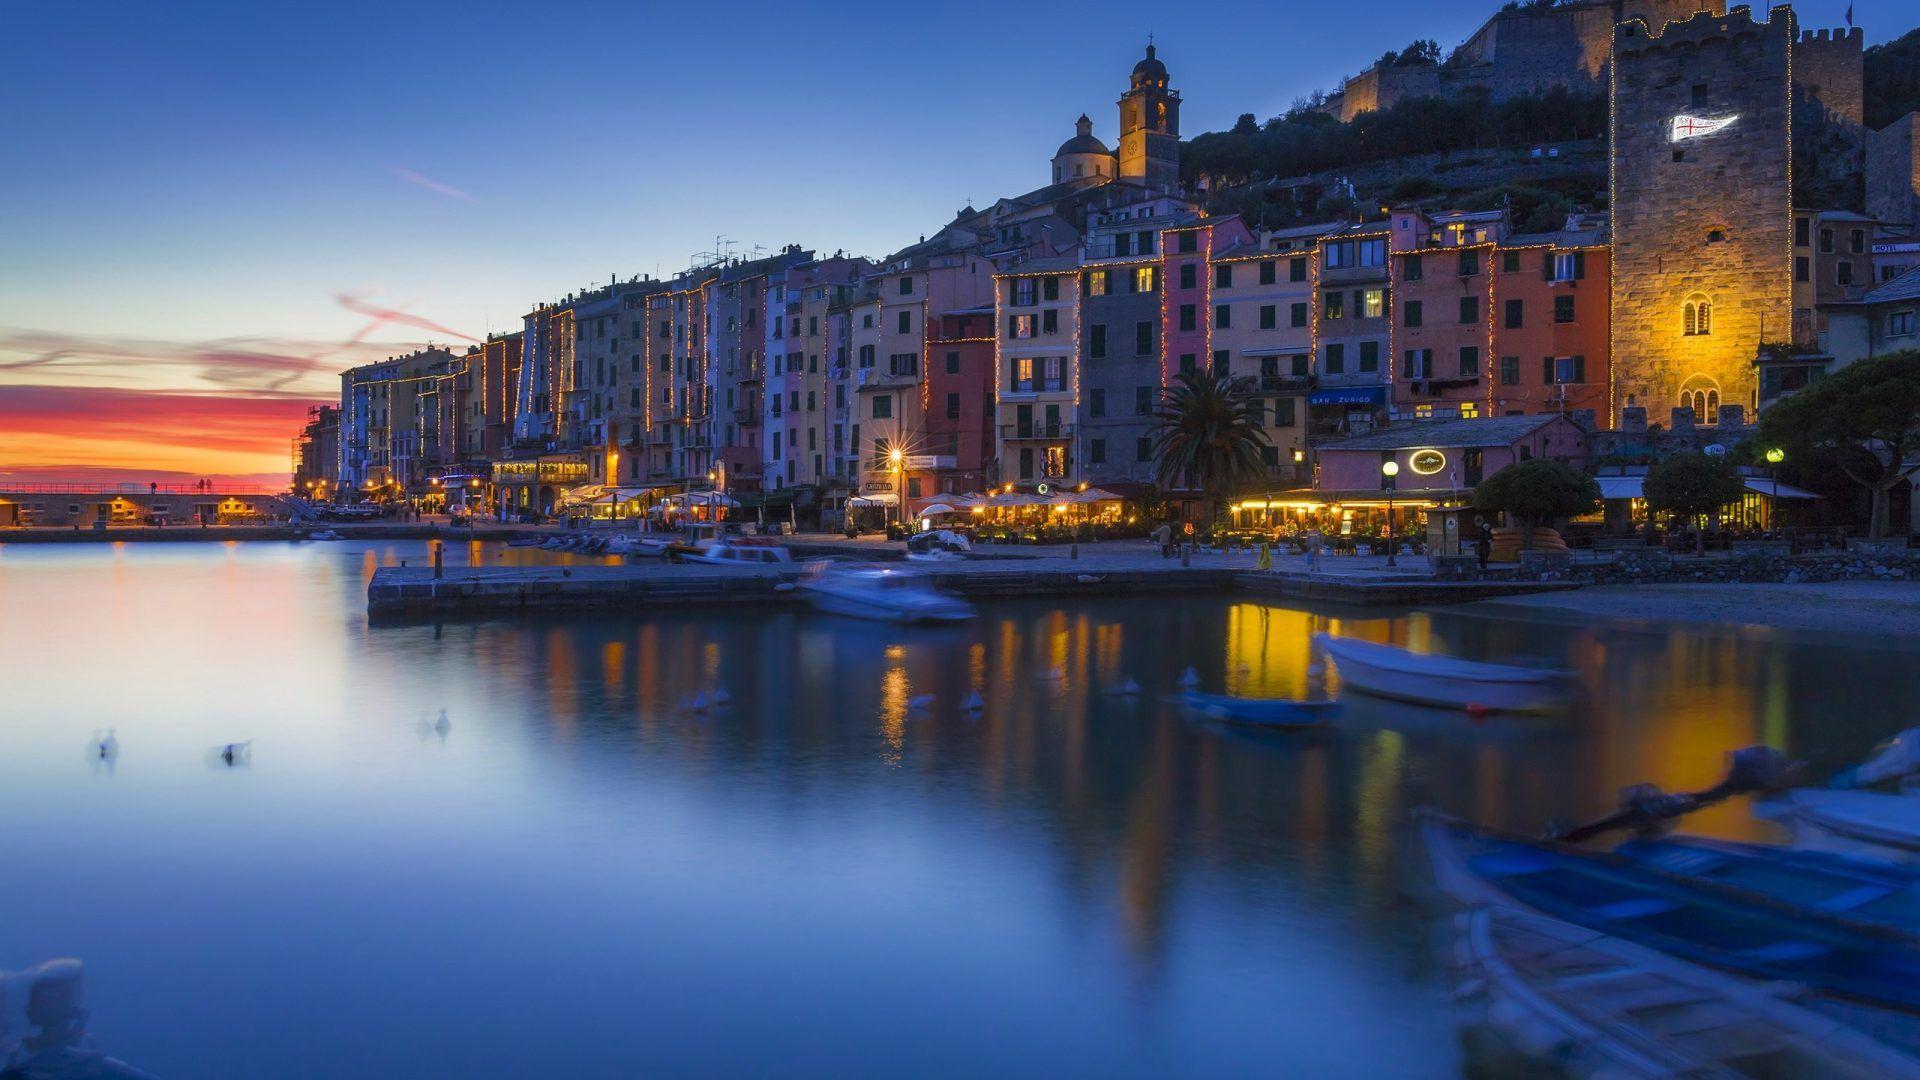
(1391, 672)
(1858, 889)
(1261, 712)
(1879, 824)
(1727, 928)
(1593, 1005)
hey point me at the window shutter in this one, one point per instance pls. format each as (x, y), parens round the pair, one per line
(1546, 371)
(1580, 369)
(1579, 264)
(1546, 265)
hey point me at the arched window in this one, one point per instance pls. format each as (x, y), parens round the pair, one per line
(1697, 316)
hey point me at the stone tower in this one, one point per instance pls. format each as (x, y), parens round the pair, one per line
(1150, 127)
(1829, 113)
(1702, 207)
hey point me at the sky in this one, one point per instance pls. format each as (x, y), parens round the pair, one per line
(207, 211)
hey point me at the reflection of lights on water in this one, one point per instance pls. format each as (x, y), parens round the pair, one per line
(1379, 798)
(710, 661)
(893, 711)
(896, 652)
(613, 664)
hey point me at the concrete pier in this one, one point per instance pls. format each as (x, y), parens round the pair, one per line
(652, 584)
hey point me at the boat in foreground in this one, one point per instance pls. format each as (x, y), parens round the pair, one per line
(734, 551)
(1719, 926)
(1873, 823)
(1391, 672)
(1862, 890)
(879, 592)
(1593, 1005)
(1277, 713)
(937, 545)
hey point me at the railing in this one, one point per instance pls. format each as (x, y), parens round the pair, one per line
(57, 487)
(1286, 384)
(1036, 431)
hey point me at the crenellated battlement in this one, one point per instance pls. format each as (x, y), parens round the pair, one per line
(1634, 37)
(1844, 36)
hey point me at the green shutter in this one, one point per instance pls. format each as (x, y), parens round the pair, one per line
(1546, 371)
(1580, 369)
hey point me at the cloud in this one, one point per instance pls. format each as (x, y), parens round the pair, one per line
(382, 316)
(431, 184)
(260, 366)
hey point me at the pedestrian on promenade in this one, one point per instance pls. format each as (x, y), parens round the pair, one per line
(1483, 544)
(1164, 537)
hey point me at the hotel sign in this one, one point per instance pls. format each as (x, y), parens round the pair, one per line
(1426, 462)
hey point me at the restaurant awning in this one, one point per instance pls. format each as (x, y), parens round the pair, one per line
(1621, 487)
(1351, 395)
(1777, 491)
(937, 508)
(878, 498)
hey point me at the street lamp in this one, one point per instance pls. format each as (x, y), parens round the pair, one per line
(897, 458)
(1390, 469)
(1774, 457)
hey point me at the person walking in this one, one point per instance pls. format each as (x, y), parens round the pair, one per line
(1164, 537)
(1483, 544)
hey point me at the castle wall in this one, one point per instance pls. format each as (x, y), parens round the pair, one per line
(1893, 172)
(1708, 216)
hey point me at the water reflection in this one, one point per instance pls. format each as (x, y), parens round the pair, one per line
(1107, 885)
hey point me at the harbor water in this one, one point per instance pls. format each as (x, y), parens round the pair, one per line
(574, 874)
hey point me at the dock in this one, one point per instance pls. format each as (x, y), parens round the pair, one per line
(413, 592)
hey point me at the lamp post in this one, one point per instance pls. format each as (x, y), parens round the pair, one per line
(897, 459)
(1390, 469)
(1774, 457)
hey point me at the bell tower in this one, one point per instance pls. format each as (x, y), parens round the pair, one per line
(1150, 127)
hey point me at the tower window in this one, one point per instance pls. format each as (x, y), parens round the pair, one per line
(1715, 236)
(1697, 316)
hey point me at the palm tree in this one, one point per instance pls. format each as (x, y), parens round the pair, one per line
(1207, 434)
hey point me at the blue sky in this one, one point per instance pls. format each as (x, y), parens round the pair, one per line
(227, 171)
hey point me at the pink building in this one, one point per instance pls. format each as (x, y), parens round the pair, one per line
(1442, 460)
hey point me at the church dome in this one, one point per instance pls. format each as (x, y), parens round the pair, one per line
(1150, 70)
(1083, 142)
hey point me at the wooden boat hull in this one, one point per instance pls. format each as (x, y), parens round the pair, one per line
(1869, 823)
(1594, 1005)
(1864, 890)
(1442, 683)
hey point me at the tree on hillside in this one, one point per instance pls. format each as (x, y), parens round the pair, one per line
(1692, 485)
(1865, 417)
(1891, 77)
(1206, 435)
(1537, 493)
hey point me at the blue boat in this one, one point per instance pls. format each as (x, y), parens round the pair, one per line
(1717, 926)
(1261, 712)
(1860, 890)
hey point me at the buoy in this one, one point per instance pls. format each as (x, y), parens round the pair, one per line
(1189, 678)
(785, 586)
(1476, 711)
(921, 703)
(105, 746)
(1130, 688)
(443, 725)
(974, 703)
(1054, 674)
(235, 753)
(700, 703)
(721, 697)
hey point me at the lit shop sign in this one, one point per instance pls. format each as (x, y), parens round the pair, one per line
(1426, 462)
(1692, 127)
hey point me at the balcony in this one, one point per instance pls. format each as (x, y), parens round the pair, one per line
(1042, 432)
(1286, 384)
(746, 416)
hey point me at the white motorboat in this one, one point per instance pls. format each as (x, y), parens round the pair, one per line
(1593, 1005)
(735, 551)
(1841, 818)
(880, 592)
(648, 546)
(1391, 672)
(938, 545)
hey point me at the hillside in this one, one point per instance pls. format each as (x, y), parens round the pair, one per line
(1893, 80)
(1461, 152)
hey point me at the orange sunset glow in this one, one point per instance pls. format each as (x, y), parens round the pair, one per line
(108, 435)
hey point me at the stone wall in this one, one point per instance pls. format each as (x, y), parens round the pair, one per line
(1893, 172)
(1657, 567)
(1829, 135)
(1709, 216)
